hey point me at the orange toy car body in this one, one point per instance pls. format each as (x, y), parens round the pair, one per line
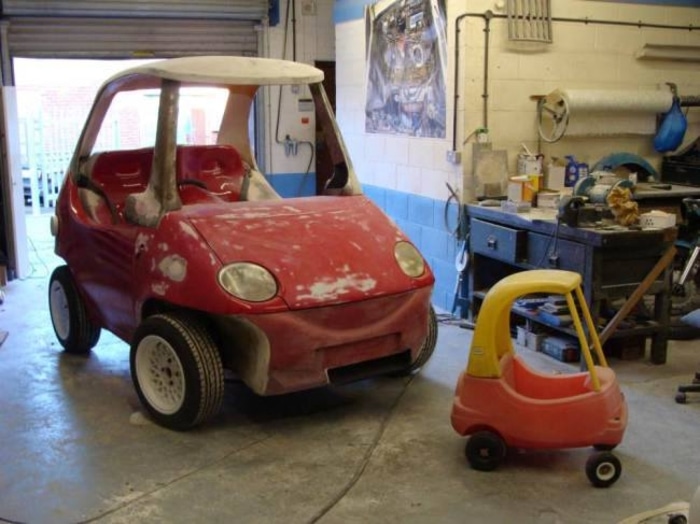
(502, 402)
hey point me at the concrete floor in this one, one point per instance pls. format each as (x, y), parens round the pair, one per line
(74, 446)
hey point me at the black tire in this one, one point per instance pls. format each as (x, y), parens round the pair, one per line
(681, 398)
(177, 372)
(604, 447)
(485, 450)
(71, 324)
(427, 349)
(603, 469)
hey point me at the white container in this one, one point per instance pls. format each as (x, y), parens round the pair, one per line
(529, 164)
(521, 336)
(555, 176)
(657, 220)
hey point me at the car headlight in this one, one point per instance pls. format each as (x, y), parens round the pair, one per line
(409, 259)
(248, 281)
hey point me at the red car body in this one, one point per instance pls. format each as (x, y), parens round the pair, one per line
(175, 231)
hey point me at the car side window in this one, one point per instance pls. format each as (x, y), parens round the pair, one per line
(130, 122)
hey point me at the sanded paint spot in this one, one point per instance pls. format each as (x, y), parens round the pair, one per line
(174, 267)
(141, 243)
(329, 289)
(160, 288)
(189, 230)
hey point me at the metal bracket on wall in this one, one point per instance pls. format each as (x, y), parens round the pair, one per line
(529, 20)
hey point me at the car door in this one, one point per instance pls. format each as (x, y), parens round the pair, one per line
(107, 244)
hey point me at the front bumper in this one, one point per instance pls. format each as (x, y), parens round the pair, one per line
(303, 349)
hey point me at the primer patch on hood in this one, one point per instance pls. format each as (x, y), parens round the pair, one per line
(331, 289)
(174, 267)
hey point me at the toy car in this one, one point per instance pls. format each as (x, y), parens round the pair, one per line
(185, 251)
(502, 402)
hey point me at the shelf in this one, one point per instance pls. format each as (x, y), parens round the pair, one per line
(675, 53)
(647, 328)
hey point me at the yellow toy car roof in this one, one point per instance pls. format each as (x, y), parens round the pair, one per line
(492, 338)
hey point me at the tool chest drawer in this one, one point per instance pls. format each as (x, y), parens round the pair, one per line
(499, 242)
(544, 251)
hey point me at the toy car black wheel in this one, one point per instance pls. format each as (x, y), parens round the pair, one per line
(485, 451)
(176, 369)
(428, 347)
(74, 330)
(681, 398)
(603, 469)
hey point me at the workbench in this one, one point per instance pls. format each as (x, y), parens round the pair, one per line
(612, 261)
(649, 197)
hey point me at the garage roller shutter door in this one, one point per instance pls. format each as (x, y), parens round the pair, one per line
(128, 38)
(131, 28)
(230, 9)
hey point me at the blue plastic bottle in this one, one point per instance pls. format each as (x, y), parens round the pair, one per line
(574, 171)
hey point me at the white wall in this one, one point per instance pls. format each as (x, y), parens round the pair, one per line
(315, 40)
(411, 165)
(581, 56)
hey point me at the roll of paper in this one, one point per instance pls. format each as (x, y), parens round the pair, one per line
(599, 112)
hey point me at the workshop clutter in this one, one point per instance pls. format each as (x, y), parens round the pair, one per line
(657, 219)
(605, 195)
(551, 310)
(526, 184)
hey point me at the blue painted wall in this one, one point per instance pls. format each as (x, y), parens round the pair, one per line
(290, 185)
(430, 227)
(347, 10)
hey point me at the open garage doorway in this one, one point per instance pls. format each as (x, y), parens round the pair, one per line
(54, 97)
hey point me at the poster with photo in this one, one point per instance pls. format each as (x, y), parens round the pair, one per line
(406, 65)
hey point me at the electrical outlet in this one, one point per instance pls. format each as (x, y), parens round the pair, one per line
(454, 157)
(308, 7)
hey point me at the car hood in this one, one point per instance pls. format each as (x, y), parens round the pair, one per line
(321, 250)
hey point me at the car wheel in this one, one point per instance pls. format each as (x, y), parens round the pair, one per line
(428, 347)
(74, 330)
(485, 450)
(603, 469)
(176, 369)
(604, 447)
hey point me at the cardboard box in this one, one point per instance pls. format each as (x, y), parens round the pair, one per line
(563, 349)
(548, 199)
(555, 176)
(534, 341)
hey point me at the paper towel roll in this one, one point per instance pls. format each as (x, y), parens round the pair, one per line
(599, 112)
(582, 100)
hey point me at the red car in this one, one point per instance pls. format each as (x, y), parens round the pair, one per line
(185, 251)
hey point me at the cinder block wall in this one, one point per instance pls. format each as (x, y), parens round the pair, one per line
(408, 176)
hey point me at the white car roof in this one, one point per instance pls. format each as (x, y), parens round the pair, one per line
(225, 70)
